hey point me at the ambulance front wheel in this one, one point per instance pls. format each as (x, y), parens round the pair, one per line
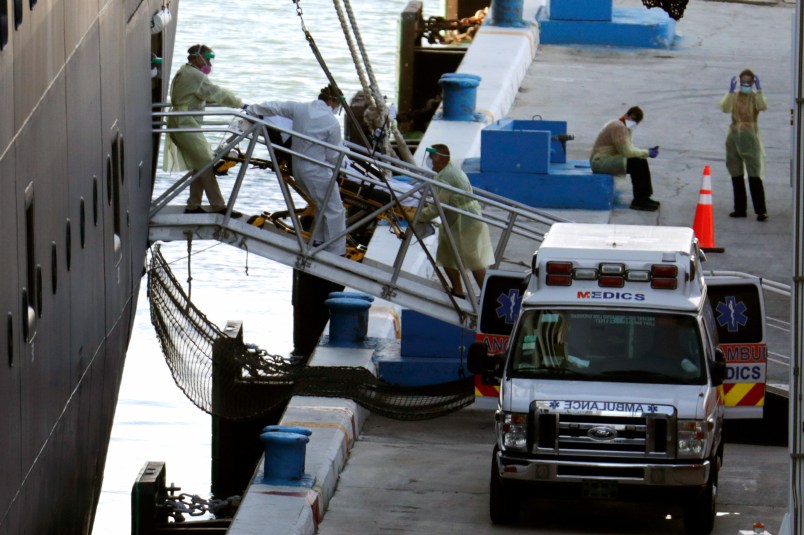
(699, 514)
(503, 504)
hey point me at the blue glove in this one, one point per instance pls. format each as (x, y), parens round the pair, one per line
(756, 83)
(244, 107)
(733, 84)
(653, 152)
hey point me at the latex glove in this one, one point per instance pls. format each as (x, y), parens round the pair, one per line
(733, 84)
(756, 83)
(653, 152)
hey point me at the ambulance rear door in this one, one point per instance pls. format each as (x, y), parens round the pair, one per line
(739, 312)
(499, 308)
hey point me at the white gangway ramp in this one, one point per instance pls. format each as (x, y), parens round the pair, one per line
(371, 193)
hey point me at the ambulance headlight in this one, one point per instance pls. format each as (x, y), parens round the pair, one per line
(692, 437)
(513, 431)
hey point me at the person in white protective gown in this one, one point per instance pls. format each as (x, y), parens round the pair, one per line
(317, 120)
(191, 90)
(471, 235)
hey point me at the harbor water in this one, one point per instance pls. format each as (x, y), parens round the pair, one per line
(261, 54)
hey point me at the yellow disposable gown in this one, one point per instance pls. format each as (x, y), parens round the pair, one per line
(612, 149)
(191, 90)
(743, 142)
(471, 235)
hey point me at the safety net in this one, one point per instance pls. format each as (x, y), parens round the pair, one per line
(674, 8)
(228, 378)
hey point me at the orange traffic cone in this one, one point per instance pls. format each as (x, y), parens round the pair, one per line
(704, 224)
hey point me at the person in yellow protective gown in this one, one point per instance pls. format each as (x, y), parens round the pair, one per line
(744, 150)
(471, 235)
(190, 91)
(614, 154)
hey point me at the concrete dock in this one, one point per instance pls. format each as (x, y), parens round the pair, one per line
(375, 475)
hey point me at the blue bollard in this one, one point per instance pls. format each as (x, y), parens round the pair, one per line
(459, 95)
(285, 450)
(507, 14)
(353, 295)
(348, 320)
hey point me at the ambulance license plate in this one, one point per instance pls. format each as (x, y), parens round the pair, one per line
(593, 488)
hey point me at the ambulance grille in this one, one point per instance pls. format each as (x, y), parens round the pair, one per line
(569, 433)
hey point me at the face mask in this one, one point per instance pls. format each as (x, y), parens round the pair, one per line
(428, 163)
(206, 69)
(745, 88)
(630, 124)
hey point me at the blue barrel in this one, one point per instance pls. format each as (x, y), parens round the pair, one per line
(507, 13)
(284, 455)
(348, 320)
(459, 92)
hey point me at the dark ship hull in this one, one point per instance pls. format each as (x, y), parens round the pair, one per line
(77, 163)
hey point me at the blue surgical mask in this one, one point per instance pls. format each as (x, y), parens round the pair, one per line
(745, 88)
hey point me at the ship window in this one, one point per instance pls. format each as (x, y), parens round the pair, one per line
(3, 24)
(30, 297)
(116, 177)
(17, 14)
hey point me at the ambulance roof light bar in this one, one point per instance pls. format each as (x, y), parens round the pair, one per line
(611, 275)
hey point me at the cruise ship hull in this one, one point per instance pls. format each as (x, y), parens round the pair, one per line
(77, 163)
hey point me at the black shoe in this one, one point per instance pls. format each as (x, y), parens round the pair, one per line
(198, 210)
(651, 201)
(737, 214)
(235, 213)
(644, 206)
(762, 217)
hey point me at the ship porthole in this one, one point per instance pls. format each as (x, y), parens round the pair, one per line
(109, 179)
(39, 286)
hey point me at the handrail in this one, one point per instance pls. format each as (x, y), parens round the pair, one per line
(385, 163)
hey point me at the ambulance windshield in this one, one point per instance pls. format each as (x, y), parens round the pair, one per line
(633, 347)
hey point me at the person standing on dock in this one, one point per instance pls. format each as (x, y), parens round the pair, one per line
(190, 91)
(615, 154)
(471, 235)
(317, 120)
(744, 150)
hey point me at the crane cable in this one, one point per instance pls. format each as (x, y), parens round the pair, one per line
(378, 118)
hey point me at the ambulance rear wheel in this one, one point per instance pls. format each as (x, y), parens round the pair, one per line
(503, 504)
(699, 514)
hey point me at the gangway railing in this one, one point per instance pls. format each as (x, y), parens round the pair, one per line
(378, 189)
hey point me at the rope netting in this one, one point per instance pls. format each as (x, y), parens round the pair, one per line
(674, 8)
(225, 377)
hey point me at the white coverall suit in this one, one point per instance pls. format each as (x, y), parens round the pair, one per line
(316, 120)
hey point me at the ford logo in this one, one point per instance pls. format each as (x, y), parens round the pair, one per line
(602, 433)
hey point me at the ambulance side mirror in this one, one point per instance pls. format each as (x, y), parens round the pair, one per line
(480, 362)
(718, 368)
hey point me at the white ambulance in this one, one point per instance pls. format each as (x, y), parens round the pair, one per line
(611, 386)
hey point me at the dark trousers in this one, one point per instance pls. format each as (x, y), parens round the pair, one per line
(757, 194)
(639, 171)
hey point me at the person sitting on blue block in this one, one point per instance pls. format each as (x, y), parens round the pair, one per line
(615, 154)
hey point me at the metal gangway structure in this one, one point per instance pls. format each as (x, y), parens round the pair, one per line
(377, 189)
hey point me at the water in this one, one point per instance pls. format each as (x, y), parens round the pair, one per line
(261, 54)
